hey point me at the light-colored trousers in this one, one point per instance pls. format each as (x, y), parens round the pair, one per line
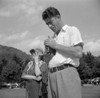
(64, 84)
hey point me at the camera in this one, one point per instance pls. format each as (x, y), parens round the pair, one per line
(49, 50)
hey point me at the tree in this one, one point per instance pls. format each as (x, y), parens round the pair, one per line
(3, 63)
(86, 65)
(89, 59)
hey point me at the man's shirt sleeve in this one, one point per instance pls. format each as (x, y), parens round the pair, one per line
(75, 37)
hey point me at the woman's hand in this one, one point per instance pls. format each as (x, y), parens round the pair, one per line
(38, 78)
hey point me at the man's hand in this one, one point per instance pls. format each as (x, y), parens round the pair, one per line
(50, 42)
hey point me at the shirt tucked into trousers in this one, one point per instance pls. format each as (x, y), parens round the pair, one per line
(64, 84)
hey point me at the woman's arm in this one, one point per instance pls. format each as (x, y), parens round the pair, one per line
(25, 76)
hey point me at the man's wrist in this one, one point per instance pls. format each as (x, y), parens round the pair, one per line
(56, 46)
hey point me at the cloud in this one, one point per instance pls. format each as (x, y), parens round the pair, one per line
(23, 45)
(17, 36)
(1, 35)
(28, 43)
(4, 13)
(14, 7)
(17, 40)
(14, 37)
(38, 42)
(63, 0)
(28, 6)
(22, 13)
(92, 46)
(24, 34)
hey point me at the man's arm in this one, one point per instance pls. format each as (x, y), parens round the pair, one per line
(75, 51)
(76, 44)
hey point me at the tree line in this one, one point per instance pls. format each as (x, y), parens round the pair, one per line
(13, 61)
(89, 66)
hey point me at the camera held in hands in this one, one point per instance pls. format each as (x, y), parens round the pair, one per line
(49, 50)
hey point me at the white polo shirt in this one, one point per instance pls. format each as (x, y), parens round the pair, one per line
(68, 36)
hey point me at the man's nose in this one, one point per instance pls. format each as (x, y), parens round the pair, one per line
(50, 26)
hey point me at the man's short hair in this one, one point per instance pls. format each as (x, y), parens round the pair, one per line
(49, 13)
(32, 51)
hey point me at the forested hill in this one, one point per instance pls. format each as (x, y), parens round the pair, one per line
(8, 52)
(12, 63)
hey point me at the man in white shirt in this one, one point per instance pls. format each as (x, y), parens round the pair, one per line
(63, 79)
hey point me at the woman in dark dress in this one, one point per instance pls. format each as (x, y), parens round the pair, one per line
(32, 81)
(36, 72)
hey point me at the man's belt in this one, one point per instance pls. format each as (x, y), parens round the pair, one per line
(58, 68)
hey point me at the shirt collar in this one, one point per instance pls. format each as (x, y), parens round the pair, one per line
(64, 28)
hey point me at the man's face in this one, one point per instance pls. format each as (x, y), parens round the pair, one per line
(53, 24)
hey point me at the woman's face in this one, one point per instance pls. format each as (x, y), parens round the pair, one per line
(38, 52)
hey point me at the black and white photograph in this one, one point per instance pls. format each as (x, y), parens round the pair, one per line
(49, 49)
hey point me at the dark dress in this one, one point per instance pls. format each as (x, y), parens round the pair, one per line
(32, 86)
(44, 69)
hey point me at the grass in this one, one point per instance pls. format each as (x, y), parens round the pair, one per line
(87, 92)
(12, 93)
(91, 91)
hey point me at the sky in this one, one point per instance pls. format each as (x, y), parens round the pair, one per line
(21, 23)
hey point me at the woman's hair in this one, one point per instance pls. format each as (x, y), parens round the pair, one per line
(50, 12)
(32, 51)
